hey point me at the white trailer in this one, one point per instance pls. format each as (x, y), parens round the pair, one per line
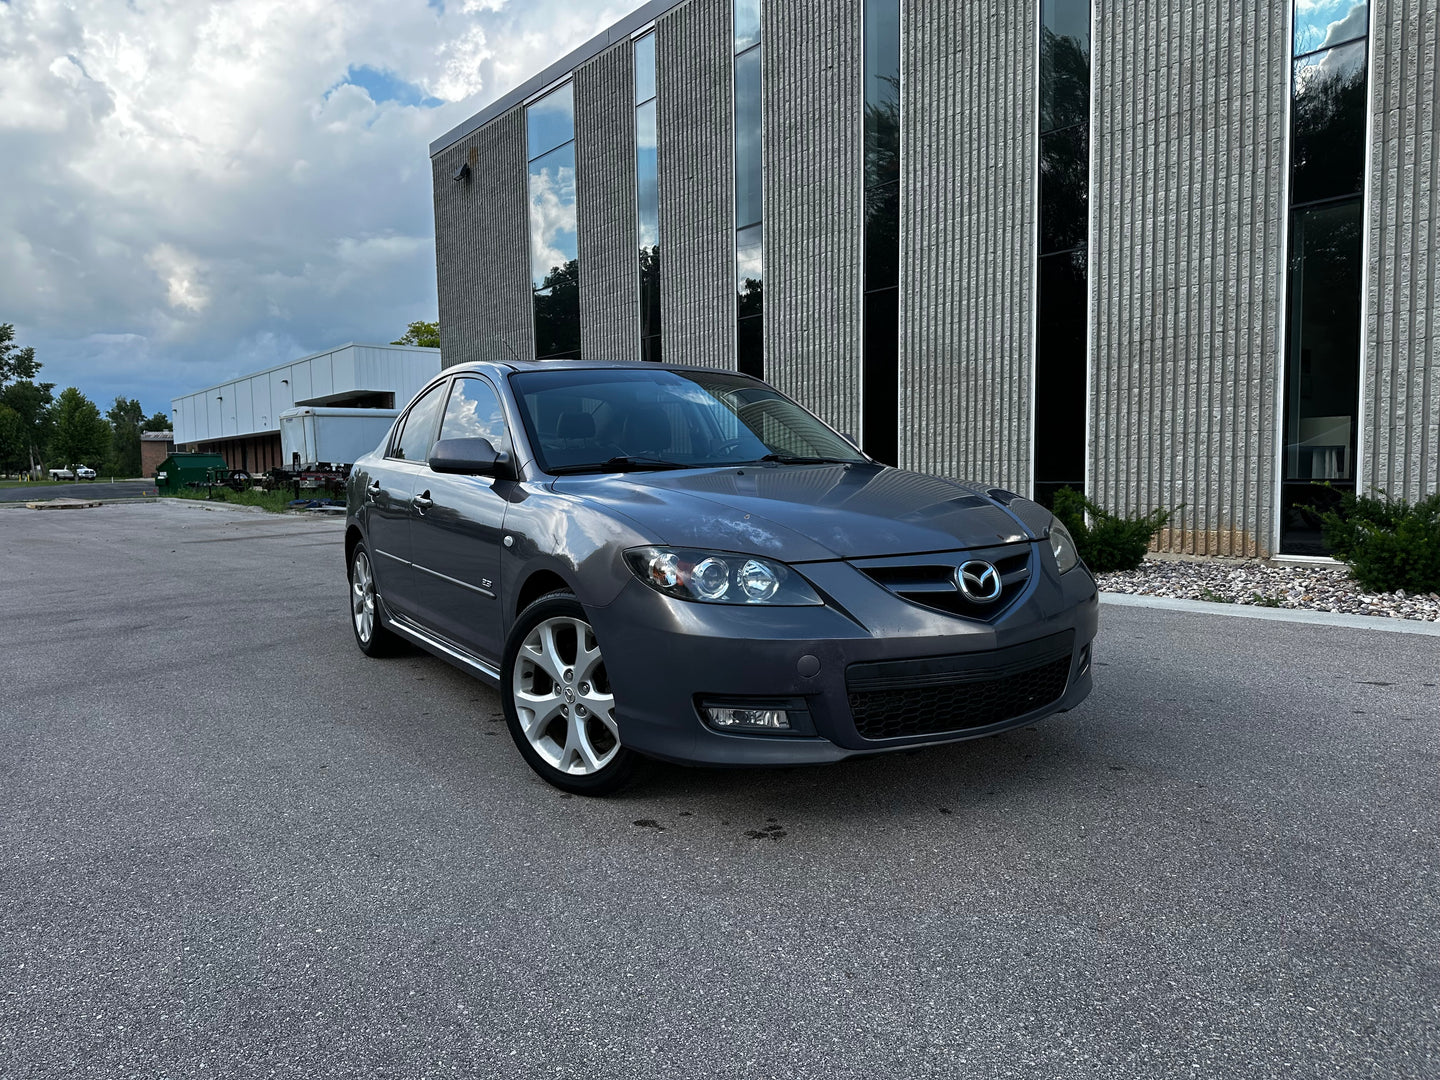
(321, 437)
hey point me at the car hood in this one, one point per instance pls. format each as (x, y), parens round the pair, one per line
(804, 513)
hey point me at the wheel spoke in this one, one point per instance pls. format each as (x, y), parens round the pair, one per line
(543, 708)
(587, 658)
(603, 707)
(541, 651)
(580, 742)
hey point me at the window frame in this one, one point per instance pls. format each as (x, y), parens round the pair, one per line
(398, 432)
(475, 376)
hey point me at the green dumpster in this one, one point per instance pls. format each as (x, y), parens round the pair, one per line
(179, 470)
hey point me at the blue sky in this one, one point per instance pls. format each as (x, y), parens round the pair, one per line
(197, 190)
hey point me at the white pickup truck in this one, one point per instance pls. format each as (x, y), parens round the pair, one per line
(75, 472)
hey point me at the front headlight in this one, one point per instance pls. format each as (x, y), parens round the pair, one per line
(1063, 545)
(719, 577)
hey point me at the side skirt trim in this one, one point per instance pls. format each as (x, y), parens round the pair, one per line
(443, 649)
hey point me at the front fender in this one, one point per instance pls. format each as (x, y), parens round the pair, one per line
(565, 536)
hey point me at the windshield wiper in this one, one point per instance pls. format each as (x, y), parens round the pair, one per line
(623, 463)
(795, 459)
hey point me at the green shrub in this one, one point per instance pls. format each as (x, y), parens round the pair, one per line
(1110, 542)
(1388, 544)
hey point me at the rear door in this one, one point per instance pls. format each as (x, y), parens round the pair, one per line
(390, 493)
(456, 532)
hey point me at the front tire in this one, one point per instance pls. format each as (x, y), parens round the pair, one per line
(558, 702)
(370, 632)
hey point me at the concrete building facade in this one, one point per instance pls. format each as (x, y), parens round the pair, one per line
(240, 418)
(1172, 254)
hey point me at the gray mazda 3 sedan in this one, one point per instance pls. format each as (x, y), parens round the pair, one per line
(682, 563)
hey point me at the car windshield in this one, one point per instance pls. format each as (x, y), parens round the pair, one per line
(615, 419)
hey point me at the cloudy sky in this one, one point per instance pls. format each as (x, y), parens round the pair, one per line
(193, 190)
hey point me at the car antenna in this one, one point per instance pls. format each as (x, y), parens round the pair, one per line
(511, 349)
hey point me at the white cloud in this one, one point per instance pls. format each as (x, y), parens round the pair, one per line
(192, 190)
(552, 219)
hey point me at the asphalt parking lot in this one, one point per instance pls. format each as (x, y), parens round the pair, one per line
(231, 845)
(81, 489)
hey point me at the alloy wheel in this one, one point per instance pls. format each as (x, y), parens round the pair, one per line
(362, 597)
(563, 698)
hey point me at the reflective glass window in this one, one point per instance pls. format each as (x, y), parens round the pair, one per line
(882, 237)
(1064, 63)
(553, 244)
(644, 68)
(882, 91)
(647, 199)
(1060, 349)
(1323, 389)
(882, 375)
(1328, 152)
(750, 298)
(550, 121)
(417, 432)
(747, 24)
(1064, 188)
(647, 195)
(1321, 24)
(748, 160)
(474, 412)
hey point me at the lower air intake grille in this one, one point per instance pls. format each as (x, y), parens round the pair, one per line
(936, 704)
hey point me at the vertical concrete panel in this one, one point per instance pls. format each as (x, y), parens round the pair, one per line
(969, 116)
(814, 197)
(605, 205)
(1187, 267)
(482, 245)
(695, 102)
(1401, 434)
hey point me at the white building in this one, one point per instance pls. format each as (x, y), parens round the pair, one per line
(240, 418)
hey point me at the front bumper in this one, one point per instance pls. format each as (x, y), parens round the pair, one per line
(865, 656)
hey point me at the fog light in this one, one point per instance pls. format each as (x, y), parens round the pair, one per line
(729, 719)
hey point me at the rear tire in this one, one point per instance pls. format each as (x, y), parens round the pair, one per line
(370, 632)
(558, 702)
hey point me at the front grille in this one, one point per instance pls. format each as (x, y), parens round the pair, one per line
(931, 580)
(932, 697)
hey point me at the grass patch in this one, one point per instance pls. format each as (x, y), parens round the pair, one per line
(1260, 600)
(277, 502)
(1213, 597)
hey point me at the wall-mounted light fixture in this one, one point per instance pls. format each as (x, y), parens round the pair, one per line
(462, 173)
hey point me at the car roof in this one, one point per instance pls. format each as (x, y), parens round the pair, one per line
(577, 365)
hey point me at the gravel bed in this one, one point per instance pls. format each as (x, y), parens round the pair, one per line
(1225, 581)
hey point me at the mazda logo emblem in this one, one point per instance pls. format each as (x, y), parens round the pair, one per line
(979, 581)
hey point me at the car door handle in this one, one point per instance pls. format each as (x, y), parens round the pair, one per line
(423, 502)
(372, 491)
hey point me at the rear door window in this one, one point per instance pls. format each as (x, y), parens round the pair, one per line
(416, 433)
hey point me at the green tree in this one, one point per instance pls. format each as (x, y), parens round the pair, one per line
(24, 404)
(80, 433)
(160, 421)
(424, 334)
(15, 363)
(13, 447)
(125, 418)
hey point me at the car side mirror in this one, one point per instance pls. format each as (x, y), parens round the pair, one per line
(469, 457)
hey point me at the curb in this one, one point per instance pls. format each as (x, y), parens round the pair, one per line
(1290, 615)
